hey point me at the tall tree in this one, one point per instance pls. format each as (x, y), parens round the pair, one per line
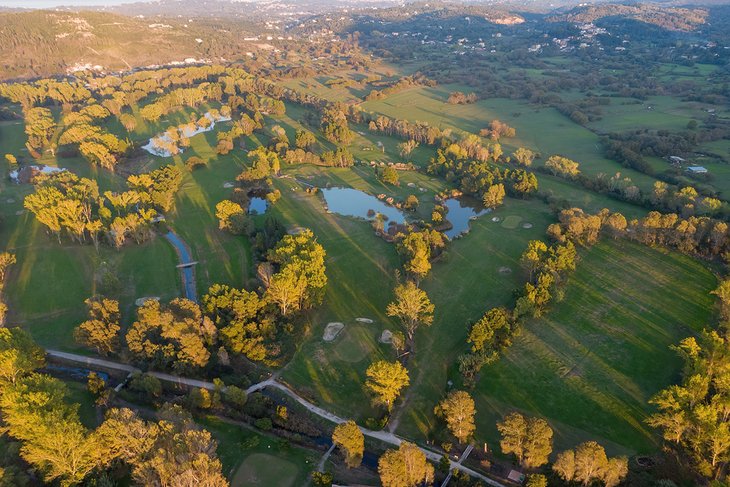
(19, 354)
(405, 467)
(350, 440)
(412, 307)
(529, 439)
(101, 330)
(458, 411)
(386, 380)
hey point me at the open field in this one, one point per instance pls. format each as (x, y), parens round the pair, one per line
(591, 364)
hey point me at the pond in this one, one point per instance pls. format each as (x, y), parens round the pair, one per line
(461, 211)
(257, 206)
(353, 202)
(163, 146)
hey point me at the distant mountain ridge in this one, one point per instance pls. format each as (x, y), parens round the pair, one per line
(670, 18)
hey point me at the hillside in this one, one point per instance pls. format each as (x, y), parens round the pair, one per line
(42, 43)
(670, 18)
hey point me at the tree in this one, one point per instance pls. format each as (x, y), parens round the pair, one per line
(231, 217)
(350, 440)
(532, 257)
(524, 157)
(386, 380)
(563, 166)
(536, 480)
(411, 202)
(588, 463)
(301, 280)
(529, 439)
(389, 176)
(405, 467)
(458, 411)
(19, 355)
(723, 295)
(173, 451)
(491, 332)
(494, 196)
(304, 139)
(412, 307)
(405, 148)
(101, 330)
(174, 335)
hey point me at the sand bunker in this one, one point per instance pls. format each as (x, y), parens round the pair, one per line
(495, 219)
(505, 270)
(386, 337)
(141, 301)
(332, 330)
(364, 320)
(527, 225)
(228, 185)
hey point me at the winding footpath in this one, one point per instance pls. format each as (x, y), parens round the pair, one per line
(384, 436)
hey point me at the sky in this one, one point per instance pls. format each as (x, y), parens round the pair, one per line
(57, 3)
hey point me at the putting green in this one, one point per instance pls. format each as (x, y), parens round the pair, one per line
(262, 469)
(511, 221)
(355, 343)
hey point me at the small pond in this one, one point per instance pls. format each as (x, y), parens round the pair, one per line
(461, 211)
(353, 202)
(257, 206)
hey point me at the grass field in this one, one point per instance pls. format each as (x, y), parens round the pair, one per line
(593, 362)
(252, 459)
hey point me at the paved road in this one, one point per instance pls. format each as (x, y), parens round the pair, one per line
(384, 436)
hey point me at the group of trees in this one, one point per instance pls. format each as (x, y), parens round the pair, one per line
(96, 145)
(65, 203)
(34, 411)
(183, 336)
(459, 98)
(692, 416)
(530, 440)
(403, 83)
(498, 129)
(694, 235)
(418, 249)
(478, 178)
